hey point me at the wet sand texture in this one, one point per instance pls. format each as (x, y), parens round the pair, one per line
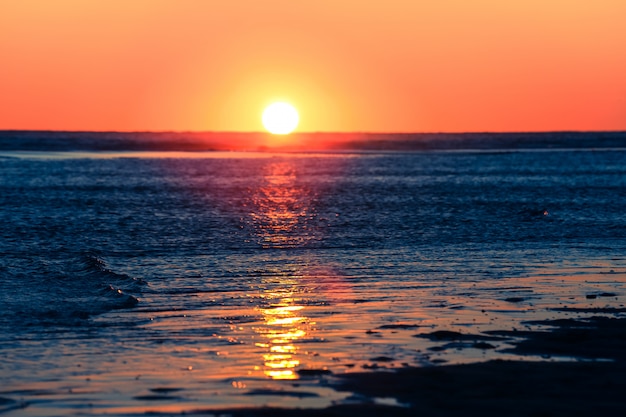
(594, 384)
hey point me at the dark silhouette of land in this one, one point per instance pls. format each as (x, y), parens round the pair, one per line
(54, 141)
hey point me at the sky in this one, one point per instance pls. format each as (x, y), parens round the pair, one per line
(346, 65)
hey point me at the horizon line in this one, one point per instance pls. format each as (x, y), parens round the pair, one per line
(257, 132)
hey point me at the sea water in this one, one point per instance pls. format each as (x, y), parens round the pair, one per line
(135, 282)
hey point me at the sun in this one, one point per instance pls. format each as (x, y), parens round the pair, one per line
(280, 118)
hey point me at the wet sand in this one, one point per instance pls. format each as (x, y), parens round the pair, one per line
(549, 345)
(581, 374)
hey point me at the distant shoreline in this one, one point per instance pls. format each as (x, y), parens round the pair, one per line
(60, 141)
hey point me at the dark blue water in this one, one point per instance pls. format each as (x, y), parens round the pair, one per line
(108, 260)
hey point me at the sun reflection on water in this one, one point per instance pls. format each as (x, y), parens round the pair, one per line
(284, 326)
(282, 215)
(282, 218)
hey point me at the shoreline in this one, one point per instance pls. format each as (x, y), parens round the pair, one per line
(512, 346)
(590, 382)
(570, 364)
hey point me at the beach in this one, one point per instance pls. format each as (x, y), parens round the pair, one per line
(589, 384)
(278, 208)
(431, 282)
(580, 372)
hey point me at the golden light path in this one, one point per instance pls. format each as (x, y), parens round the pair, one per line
(284, 326)
(280, 209)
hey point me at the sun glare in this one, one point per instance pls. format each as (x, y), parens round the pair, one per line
(280, 118)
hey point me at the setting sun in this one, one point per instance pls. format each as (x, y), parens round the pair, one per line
(280, 118)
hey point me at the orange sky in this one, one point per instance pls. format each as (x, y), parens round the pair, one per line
(347, 65)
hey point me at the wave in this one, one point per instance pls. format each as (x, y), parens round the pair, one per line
(65, 293)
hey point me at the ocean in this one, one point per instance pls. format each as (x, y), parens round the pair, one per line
(139, 276)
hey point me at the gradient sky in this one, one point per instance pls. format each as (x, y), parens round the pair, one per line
(347, 65)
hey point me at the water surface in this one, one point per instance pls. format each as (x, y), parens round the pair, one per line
(134, 282)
